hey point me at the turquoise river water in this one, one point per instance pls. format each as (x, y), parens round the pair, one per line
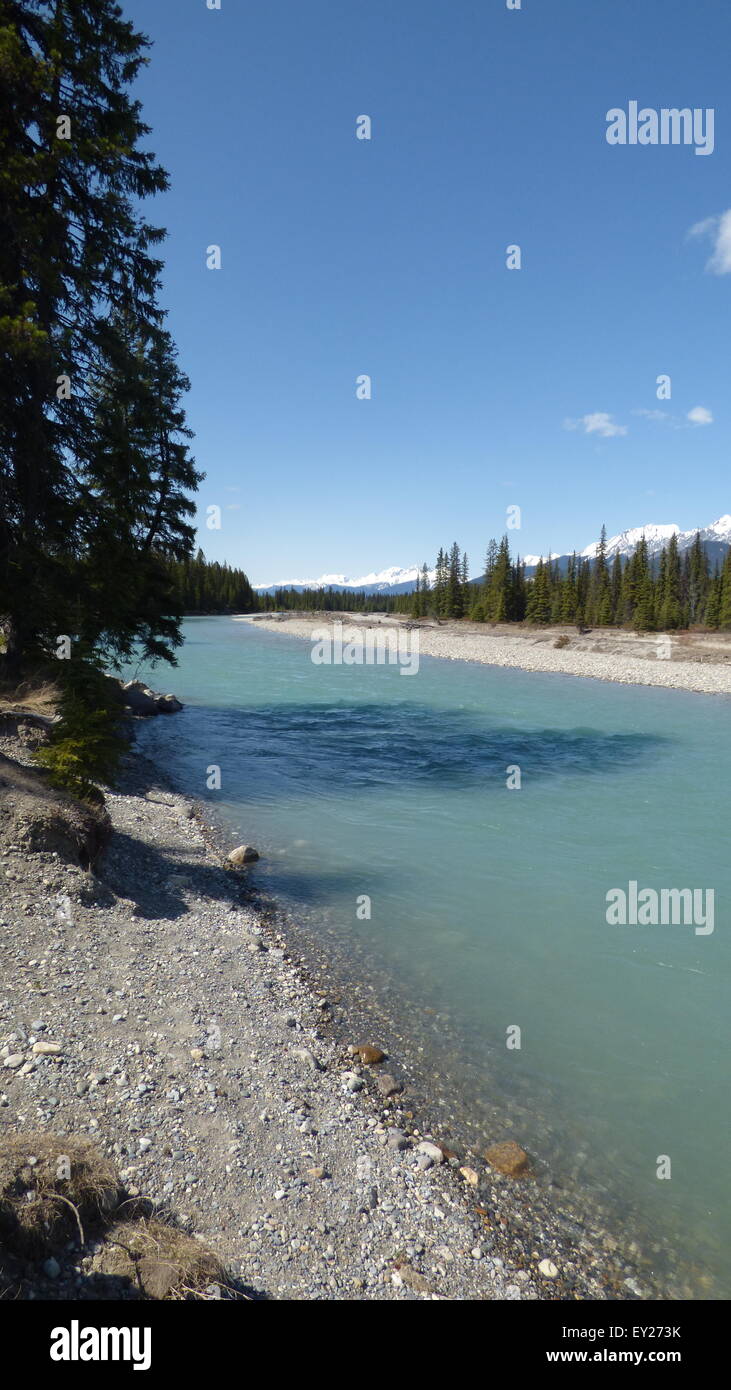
(488, 904)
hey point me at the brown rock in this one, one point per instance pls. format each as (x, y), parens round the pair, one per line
(370, 1056)
(508, 1158)
(404, 1273)
(243, 854)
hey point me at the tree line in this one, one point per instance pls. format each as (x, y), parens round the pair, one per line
(205, 586)
(668, 591)
(327, 601)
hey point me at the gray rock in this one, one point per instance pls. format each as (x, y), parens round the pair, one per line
(388, 1085)
(168, 704)
(431, 1151)
(141, 700)
(304, 1055)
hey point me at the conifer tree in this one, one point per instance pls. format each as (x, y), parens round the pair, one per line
(538, 608)
(517, 592)
(616, 586)
(77, 258)
(569, 598)
(724, 594)
(455, 590)
(712, 608)
(698, 579)
(490, 561)
(668, 601)
(498, 595)
(441, 580)
(599, 600)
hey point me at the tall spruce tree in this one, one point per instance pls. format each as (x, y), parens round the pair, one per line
(78, 295)
(441, 583)
(538, 609)
(668, 602)
(724, 594)
(498, 594)
(455, 587)
(698, 579)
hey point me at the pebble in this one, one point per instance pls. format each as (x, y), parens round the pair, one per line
(430, 1150)
(548, 1269)
(388, 1086)
(47, 1049)
(304, 1055)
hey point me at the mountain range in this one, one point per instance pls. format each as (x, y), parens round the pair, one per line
(716, 540)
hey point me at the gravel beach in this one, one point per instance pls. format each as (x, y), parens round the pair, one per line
(196, 1052)
(695, 662)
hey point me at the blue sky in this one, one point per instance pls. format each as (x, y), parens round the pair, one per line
(388, 257)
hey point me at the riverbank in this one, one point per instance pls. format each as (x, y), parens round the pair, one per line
(202, 1059)
(699, 662)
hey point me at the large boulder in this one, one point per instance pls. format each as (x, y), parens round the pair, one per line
(141, 700)
(168, 704)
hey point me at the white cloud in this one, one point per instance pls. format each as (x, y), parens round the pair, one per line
(661, 415)
(719, 230)
(597, 423)
(699, 416)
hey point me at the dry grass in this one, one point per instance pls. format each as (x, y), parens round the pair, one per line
(159, 1260)
(53, 1190)
(49, 1187)
(33, 696)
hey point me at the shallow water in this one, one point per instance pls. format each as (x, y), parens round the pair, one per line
(488, 904)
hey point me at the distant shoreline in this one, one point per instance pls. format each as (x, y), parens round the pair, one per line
(697, 662)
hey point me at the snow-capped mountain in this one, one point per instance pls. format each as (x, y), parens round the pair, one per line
(627, 541)
(393, 580)
(716, 539)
